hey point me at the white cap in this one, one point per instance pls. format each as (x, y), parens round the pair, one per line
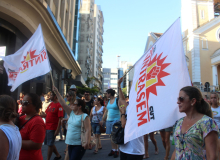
(73, 87)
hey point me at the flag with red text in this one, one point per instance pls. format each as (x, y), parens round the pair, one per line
(30, 61)
(158, 77)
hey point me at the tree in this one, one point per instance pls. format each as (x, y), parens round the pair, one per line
(93, 90)
(124, 91)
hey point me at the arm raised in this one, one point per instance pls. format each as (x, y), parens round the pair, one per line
(62, 102)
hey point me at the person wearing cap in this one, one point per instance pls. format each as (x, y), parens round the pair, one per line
(74, 89)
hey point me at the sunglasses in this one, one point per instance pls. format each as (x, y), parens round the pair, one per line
(25, 103)
(86, 94)
(180, 99)
(67, 96)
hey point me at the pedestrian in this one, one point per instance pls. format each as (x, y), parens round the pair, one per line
(74, 89)
(10, 136)
(42, 97)
(21, 96)
(32, 128)
(96, 115)
(54, 115)
(214, 98)
(111, 115)
(46, 103)
(88, 101)
(105, 100)
(134, 149)
(196, 134)
(127, 99)
(67, 99)
(77, 113)
(165, 136)
(146, 144)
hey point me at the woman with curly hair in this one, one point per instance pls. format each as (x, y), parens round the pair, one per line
(32, 128)
(9, 133)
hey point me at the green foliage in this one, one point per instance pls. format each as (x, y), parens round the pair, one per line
(124, 91)
(89, 79)
(81, 90)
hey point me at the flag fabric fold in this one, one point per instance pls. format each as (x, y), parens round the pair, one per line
(158, 77)
(29, 62)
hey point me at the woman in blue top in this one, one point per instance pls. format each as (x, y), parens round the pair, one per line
(111, 115)
(76, 110)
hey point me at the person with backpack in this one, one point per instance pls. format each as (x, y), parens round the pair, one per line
(111, 116)
(133, 149)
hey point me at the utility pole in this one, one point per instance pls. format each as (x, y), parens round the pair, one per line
(118, 56)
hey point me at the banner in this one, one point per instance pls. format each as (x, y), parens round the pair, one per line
(30, 61)
(158, 77)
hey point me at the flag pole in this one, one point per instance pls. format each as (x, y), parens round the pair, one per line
(128, 71)
(51, 78)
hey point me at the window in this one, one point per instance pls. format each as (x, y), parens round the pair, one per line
(113, 73)
(105, 83)
(114, 79)
(106, 78)
(114, 84)
(202, 14)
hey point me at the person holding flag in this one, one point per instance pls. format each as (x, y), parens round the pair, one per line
(133, 150)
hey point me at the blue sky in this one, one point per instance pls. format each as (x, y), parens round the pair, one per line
(127, 24)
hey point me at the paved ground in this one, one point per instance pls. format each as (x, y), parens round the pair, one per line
(102, 155)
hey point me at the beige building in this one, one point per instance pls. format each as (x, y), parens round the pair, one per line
(201, 41)
(20, 19)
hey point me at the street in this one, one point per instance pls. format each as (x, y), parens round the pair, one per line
(106, 147)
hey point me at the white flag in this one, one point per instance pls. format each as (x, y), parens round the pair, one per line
(159, 75)
(30, 61)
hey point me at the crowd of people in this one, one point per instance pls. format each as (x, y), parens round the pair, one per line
(39, 119)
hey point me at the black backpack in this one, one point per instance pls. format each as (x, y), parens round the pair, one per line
(117, 133)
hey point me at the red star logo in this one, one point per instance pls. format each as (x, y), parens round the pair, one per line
(156, 71)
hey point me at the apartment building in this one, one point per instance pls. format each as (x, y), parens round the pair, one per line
(91, 41)
(59, 21)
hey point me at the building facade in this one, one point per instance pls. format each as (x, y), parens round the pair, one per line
(110, 78)
(201, 41)
(18, 22)
(128, 77)
(91, 41)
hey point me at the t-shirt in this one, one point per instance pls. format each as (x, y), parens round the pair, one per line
(45, 105)
(89, 105)
(54, 112)
(134, 147)
(14, 140)
(216, 115)
(35, 131)
(73, 136)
